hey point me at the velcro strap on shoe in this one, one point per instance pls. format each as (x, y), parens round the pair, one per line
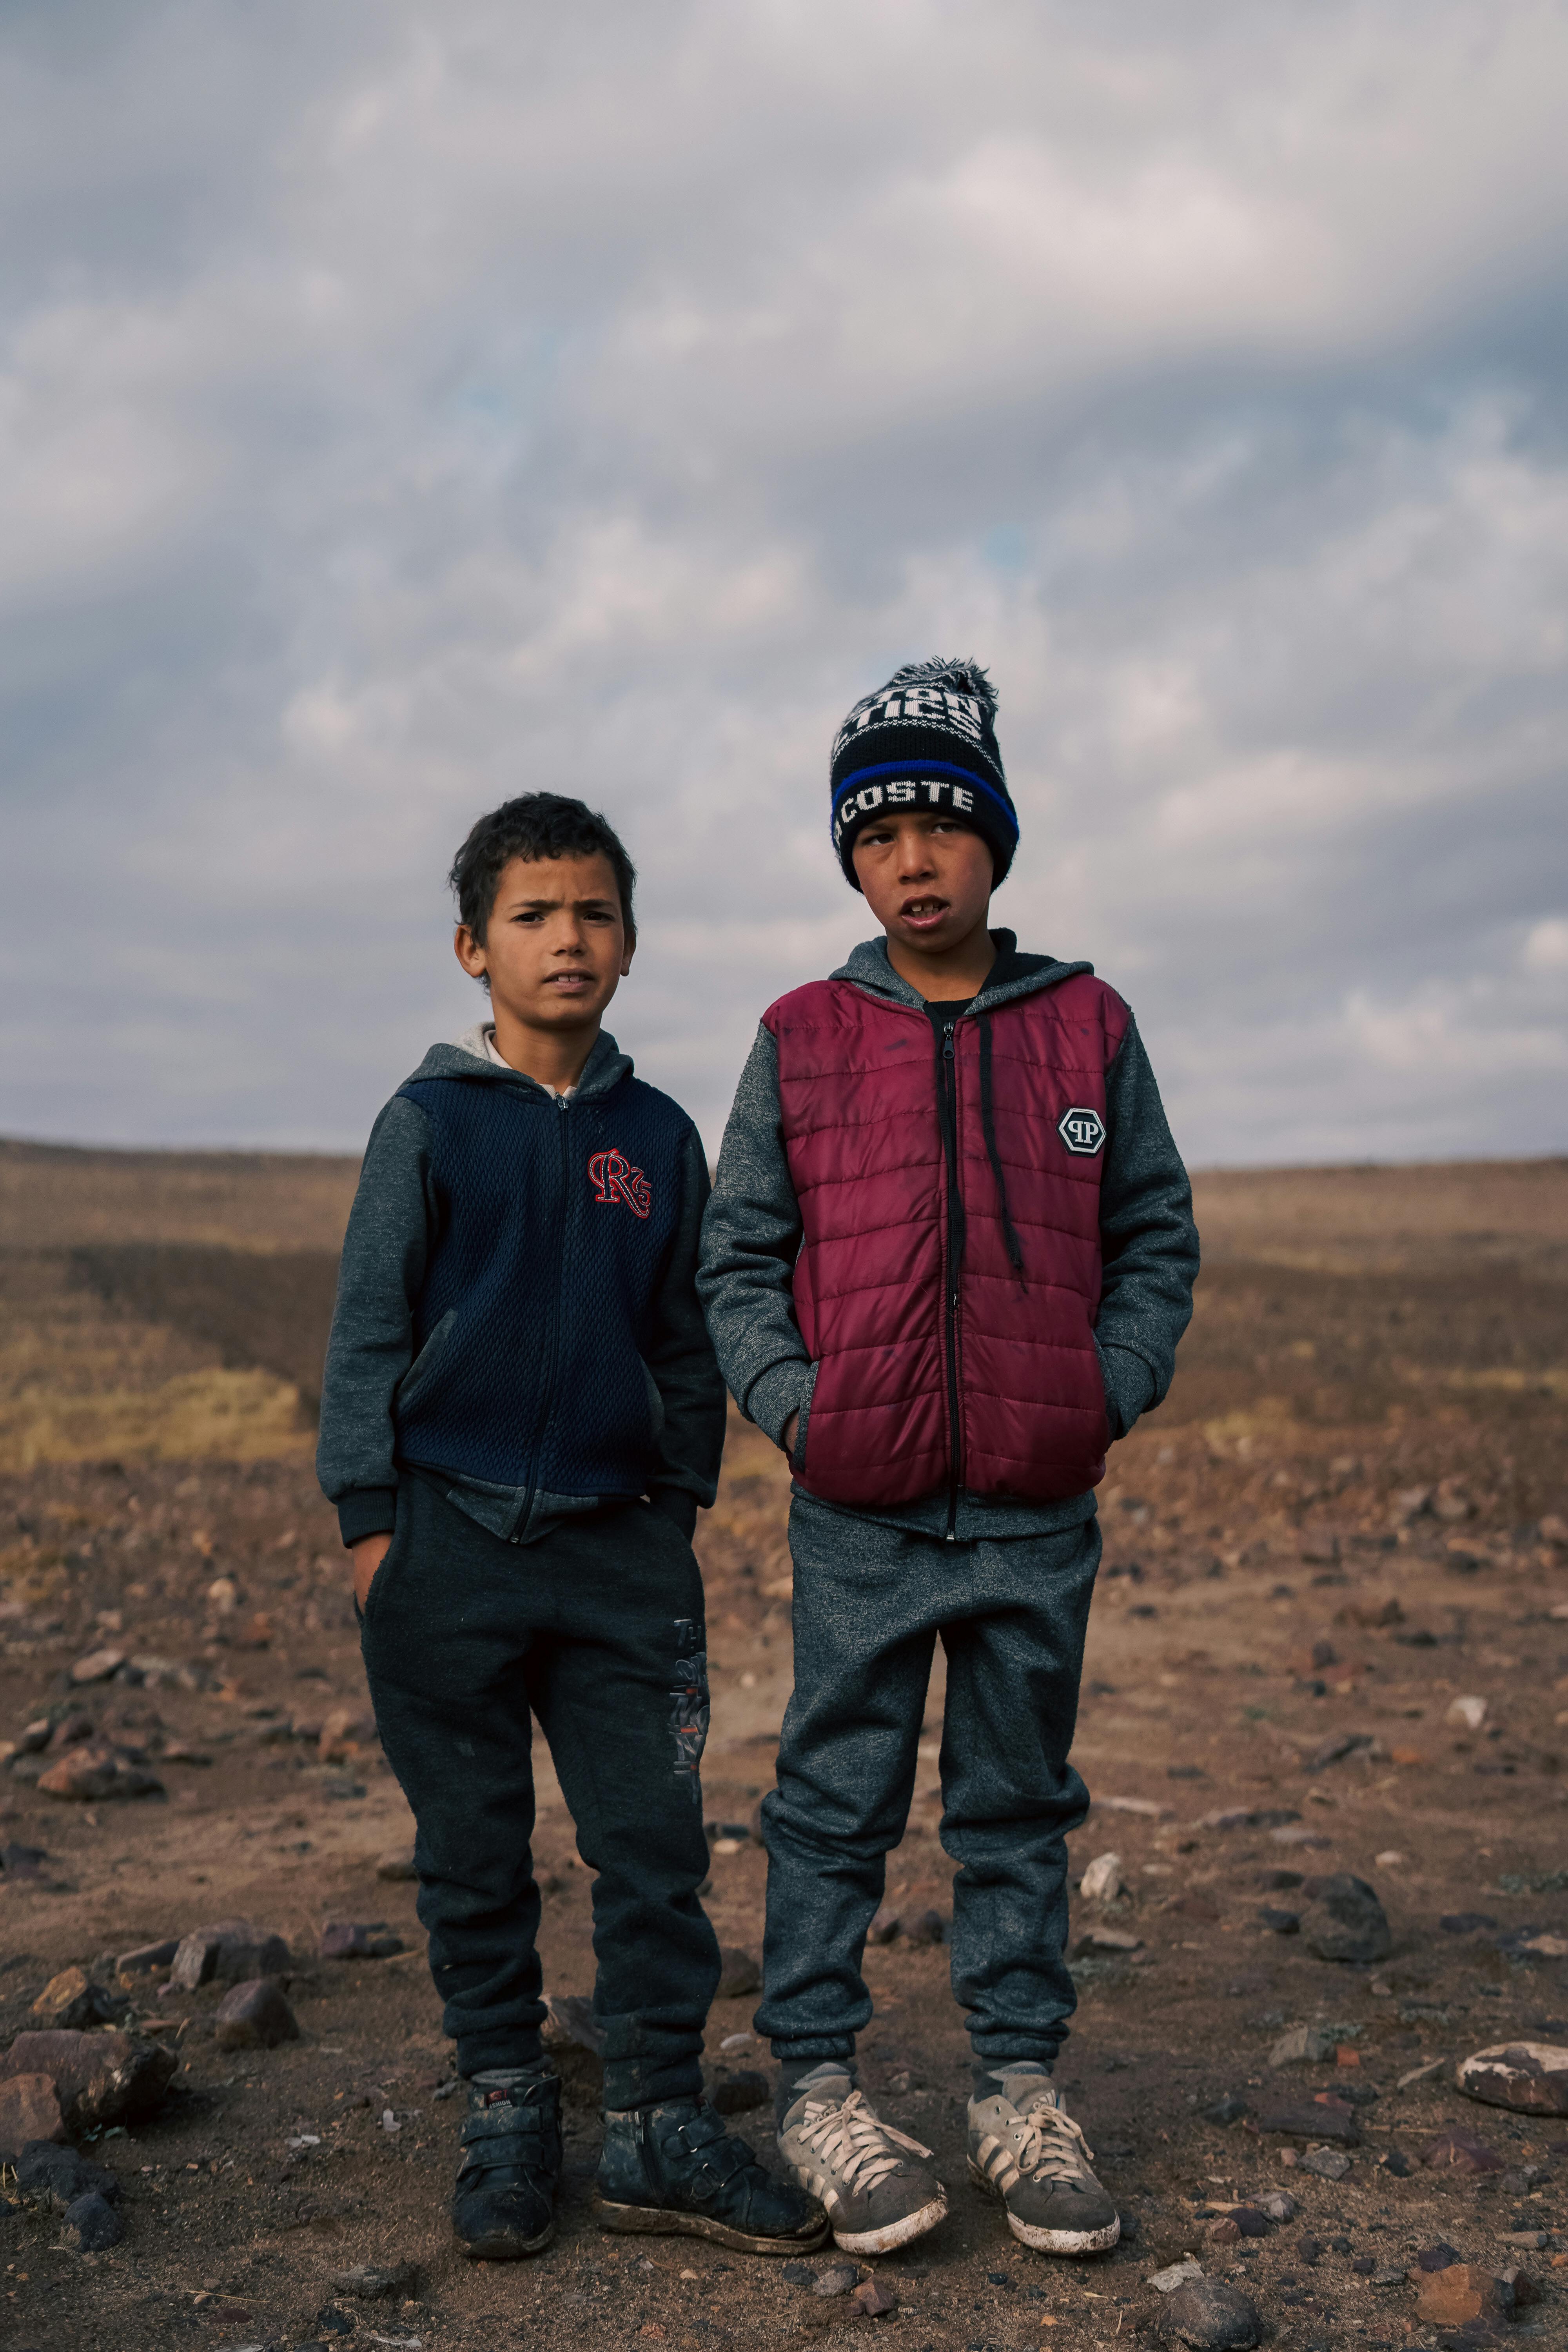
(492, 2125)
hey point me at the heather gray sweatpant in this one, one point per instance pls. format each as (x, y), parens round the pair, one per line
(870, 1602)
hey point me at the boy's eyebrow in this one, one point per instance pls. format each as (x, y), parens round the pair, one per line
(595, 899)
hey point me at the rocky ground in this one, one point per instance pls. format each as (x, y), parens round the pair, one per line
(1331, 1642)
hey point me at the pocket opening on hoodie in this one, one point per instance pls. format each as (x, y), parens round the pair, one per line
(418, 1374)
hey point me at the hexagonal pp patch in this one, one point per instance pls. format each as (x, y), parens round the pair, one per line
(1083, 1132)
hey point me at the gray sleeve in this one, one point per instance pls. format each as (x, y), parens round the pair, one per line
(680, 1357)
(372, 1342)
(751, 1237)
(1149, 1242)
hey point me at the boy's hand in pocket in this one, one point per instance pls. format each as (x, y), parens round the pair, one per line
(368, 1555)
(791, 1429)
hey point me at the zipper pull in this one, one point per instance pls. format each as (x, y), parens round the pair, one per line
(947, 1040)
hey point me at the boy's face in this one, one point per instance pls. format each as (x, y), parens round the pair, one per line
(927, 877)
(555, 944)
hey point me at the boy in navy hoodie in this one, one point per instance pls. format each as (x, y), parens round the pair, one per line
(520, 1416)
(948, 1258)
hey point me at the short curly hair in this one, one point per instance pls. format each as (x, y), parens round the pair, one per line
(535, 824)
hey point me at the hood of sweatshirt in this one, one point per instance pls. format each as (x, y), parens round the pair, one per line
(1014, 974)
(606, 1066)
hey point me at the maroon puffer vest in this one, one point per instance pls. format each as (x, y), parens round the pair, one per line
(860, 1090)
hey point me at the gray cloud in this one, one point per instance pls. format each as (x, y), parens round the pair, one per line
(400, 407)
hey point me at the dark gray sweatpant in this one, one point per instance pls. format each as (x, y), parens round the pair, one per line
(596, 1631)
(870, 1603)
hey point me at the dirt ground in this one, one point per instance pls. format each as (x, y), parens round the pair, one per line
(1348, 1516)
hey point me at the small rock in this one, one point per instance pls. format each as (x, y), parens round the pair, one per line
(1278, 1922)
(1346, 1921)
(929, 1926)
(1303, 2045)
(1522, 2287)
(1277, 1881)
(89, 1776)
(1212, 2316)
(52, 2178)
(1279, 2206)
(570, 2024)
(1309, 2250)
(1225, 2231)
(71, 1999)
(230, 1951)
(739, 1973)
(1466, 1923)
(1461, 2292)
(1553, 1530)
(798, 2274)
(1328, 2163)
(22, 1863)
(1436, 2258)
(255, 2016)
(1322, 2118)
(1249, 1817)
(1230, 2109)
(1457, 2151)
(1099, 1939)
(1297, 1833)
(1532, 2076)
(1467, 1714)
(873, 2299)
(1167, 2280)
(1395, 2160)
(738, 2092)
(91, 2225)
(398, 1864)
(344, 1733)
(100, 2078)
(375, 2282)
(354, 1939)
(836, 2278)
(29, 2110)
(883, 1928)
(146, 1957)
(1102, 1881)
(97, 1666)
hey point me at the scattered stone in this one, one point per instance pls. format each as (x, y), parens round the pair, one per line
(97, 1666)
(1297, 1833)
(738, 2092)
(1467, 1923)
(1225, 2231)
(883, 1928)
(1395, 2161)
(29, 2110)
(1458, 2151)
(1279, 2206)
(1326, 2117)
(354, 1939)
(1303, 2045)
(1144, 1807)
(836, 2278)
(1532, 2076)
(1278, 1922)
(255, 2016)
(100, 2078)
(398, 1864)
(739, 1973)
(1103, 1880)
(1250, 1817)
(1461, 2292)
(1230, 2109)
(71, 1999)
(1345, 1921)
(147, 1958)
(376, 2282)
(1335, 1750)
(1250, 2219)
(1167, 2280)
(928, 1926)
(1309, 2250)
(1467, 1714)
(1410, 1502)
(91, 2225)
(89, 1776)
(1525, 2290)
(1103, 1939)
(345, 1732)
(53, 2177)
(1553, 1530)
(229, 1951)
(1436, 2258)
(1328, 2163)
(570, 2024)
(874, 2299)
(1212, 2316)
(798, 2274)
(22, 1862)
(1277, 1881)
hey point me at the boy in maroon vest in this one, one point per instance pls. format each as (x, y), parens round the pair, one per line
(948, 1257)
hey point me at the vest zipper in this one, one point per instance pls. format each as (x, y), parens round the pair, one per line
(949, 1112)
(553, 1330)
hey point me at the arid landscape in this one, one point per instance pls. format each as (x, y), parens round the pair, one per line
(1330, 1642)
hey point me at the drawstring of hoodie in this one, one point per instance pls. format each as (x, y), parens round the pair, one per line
(988, 1126)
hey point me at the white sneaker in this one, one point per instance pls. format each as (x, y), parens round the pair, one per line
(840, 2150)
(1026, 2149)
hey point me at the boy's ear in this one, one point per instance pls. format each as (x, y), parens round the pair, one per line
(470, 953)
(629, 952)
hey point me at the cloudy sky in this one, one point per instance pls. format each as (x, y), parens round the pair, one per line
(404, 406)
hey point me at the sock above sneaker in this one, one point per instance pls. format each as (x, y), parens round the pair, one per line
(831, 2078)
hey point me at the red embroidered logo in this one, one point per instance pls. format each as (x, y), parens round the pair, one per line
(613, 1179)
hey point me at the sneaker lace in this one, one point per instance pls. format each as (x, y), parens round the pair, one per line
(1050, 2143)
(860, 2147)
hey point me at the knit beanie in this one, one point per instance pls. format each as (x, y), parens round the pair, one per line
(926, 739)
